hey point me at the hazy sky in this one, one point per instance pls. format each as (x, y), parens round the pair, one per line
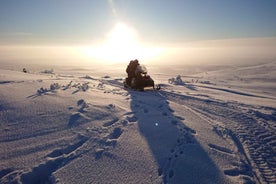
(120, 27)
(157, 21)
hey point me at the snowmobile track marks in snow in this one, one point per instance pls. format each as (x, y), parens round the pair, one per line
(255, 141)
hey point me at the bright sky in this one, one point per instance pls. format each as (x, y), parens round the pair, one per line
(131, 28)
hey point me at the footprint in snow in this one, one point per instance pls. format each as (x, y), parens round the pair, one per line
(69, 149)
(116, 133)
(132, 119)
(136, 105)
(109, 123)
(102, 152)
(82, 105)
(146, 111)
(99, 153)
(124, 122)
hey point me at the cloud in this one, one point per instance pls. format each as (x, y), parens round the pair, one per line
(17, 33)
(228, 51)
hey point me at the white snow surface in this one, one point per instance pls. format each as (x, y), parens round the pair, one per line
(75, 125)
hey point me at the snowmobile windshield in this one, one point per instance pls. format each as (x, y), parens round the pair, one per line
(141, 69)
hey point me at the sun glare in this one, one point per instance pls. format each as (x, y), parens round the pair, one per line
(121, 44)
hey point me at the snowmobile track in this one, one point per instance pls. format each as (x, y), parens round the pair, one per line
(253, 135)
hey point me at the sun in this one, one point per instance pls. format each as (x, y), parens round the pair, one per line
(121, 44)
(121, 37)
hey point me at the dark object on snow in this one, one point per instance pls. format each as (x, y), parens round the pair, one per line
(24, 70)
(132, 67)
(137, 76)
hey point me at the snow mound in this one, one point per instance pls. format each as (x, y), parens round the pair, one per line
(176, 80)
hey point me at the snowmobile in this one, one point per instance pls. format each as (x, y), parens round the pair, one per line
(140, 80)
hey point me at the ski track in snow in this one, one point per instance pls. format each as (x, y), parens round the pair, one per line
(101, 127)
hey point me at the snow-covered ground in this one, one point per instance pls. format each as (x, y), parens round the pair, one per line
(208, 124)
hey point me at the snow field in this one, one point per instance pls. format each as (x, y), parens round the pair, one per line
(78, 127)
